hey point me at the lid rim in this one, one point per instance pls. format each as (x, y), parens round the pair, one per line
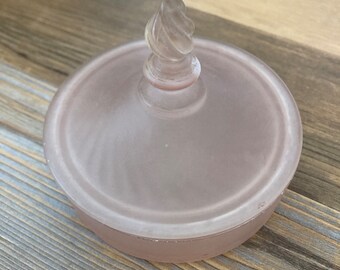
(51, 124)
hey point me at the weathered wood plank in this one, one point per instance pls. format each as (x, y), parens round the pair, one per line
(313, 23)
(297, 212)
(38, 226)
(39, 214)
(46, 40)
(311, 75)
(307, 205)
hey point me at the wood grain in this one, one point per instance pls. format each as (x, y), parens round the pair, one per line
(312, 23)
(40, 44)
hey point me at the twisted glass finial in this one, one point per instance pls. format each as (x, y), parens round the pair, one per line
(171, 65)
(171, 87)
(169, 32)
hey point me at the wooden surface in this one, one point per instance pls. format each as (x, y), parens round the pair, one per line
(313, 23)
(42, 42)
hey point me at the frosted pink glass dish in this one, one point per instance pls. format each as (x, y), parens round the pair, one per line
(182, 187)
